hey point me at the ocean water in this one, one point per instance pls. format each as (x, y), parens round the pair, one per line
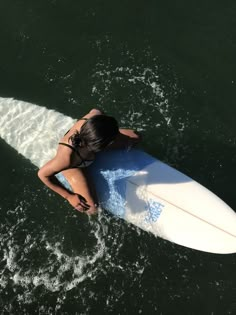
(166, 69)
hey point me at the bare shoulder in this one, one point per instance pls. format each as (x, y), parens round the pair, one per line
(130, 133)
(59, 163)
(93, 112)
(96, 111)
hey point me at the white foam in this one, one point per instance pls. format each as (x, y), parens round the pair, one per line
(146, 99)
(52, 274)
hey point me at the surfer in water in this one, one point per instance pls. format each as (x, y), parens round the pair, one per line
(93, 133)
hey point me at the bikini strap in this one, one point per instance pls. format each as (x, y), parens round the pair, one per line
(77, 152)
(69, 146)
(72, 148)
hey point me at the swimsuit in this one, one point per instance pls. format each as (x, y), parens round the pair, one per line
(83, 163)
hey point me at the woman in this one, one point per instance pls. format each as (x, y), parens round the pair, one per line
(76, 150)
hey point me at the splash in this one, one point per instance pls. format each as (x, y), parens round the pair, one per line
(40, 264)
(144, 101)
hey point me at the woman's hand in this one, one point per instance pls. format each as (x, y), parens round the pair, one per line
(78, 202)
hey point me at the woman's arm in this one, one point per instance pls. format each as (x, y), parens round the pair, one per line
(47, 172)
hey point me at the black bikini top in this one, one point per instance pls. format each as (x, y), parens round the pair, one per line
(83, 163)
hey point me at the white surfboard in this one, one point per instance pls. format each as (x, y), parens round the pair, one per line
(130, 184)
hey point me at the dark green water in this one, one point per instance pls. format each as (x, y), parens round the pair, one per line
(166, 68)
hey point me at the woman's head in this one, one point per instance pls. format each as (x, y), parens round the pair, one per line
(96, 133)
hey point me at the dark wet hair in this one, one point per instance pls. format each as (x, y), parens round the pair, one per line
(96, 133)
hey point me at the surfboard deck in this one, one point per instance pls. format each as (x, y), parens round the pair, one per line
(159, 199)
(130, 184)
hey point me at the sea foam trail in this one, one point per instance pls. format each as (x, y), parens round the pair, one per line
(25, 126)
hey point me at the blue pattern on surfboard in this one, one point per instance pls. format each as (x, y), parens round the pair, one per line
(115, 180)
(154, 209)
(110, 172)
